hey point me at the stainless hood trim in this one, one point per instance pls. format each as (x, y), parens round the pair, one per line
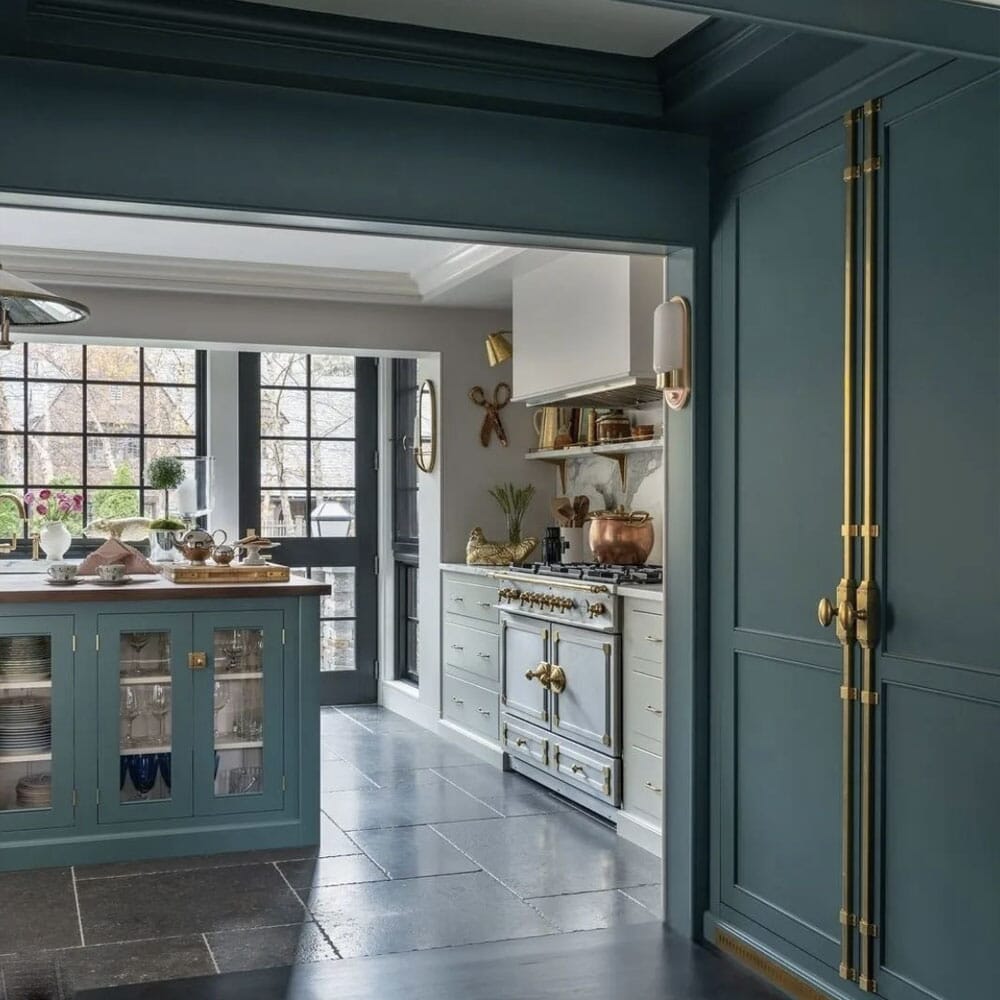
(623, 392)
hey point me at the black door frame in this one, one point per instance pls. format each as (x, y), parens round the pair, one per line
(360, 552)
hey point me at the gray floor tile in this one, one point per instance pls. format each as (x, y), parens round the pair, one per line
(191, 863)
(38, 910)
(331, 871)
(508, 793)
(392, 752)
(268, 947)
(553, 854)
(408, 776)
(413, 851)
(650, 896)
(333, 842)
(174, 903)
(590, 911)
(73, 969)
(405, 806)
(339, 776)
(409, 914)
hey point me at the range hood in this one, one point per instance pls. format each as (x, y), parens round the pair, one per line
(583, 331)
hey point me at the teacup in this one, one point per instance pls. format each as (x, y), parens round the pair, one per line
(111, 573)
(62, 571)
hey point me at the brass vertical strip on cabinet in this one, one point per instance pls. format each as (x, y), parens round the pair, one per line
(867, 607)
(847, 587)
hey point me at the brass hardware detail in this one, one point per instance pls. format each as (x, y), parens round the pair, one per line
(545, 716)
(578, 769)
(848, 919)
(540, 674)
(871, 106)
(557, 680)
(654, 710)
(197, 661)
(555, 718)
(653, 638)
(868, 530)
(868, 697)
(596, 609)
(767, 967)
(848, 694)
(872, 164)
(520, 742)
(97, 642)
(654, 788)
(850, 530)
(846, 972)
(7, 548)
(606, 740)
(852, 173)
(590, 588)
(607, 781)
(869, 930)
(868, 985)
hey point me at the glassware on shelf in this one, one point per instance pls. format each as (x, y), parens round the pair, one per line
(130, 711)
(163, 761)
(235, 649)
(138, 641)
(122, 771)
(245, 780)
(221, 701)
(159, 703)
(142, 769)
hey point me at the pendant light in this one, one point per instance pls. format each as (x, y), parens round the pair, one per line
(25, 304)
(498, 348)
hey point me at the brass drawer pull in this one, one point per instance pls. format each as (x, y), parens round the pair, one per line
(482, 711)
(457, 701)
(520, 743)
(484, 604)
(653, 788)
(578, 769)
(483, 656)
(654, 710)
(653, 638)
(455, 645)
(460, 600)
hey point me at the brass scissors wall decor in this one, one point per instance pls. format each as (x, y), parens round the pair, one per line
(491, 422)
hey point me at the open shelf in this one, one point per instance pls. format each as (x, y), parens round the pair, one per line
(239, 745)
(618, 452)
(24, 758)
(25, 685)
(248, 675)
(151, 748)
(130, 681)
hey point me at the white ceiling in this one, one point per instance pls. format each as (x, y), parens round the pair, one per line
(80, 250)
(602, 25)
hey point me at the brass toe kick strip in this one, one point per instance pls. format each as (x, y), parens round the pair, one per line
(784, 979)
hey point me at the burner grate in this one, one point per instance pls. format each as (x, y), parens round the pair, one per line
(596, 572)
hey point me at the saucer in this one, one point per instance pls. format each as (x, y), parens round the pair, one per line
(53, 582)
(112, 583)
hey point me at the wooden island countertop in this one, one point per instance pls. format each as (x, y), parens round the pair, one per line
(27, 588)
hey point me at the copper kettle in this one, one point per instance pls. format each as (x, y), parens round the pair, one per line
(621, 536)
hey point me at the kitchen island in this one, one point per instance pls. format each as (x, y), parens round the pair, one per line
(155, 719)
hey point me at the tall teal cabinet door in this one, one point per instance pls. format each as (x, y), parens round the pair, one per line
(777, 353)
(938, 668)
(239, 712)
(36, 723)
(144, 692)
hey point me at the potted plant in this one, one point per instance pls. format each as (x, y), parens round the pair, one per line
(514, 501)
(50, 510)
(165, 473)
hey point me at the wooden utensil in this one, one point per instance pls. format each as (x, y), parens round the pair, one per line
(562, 511)
(581, 508)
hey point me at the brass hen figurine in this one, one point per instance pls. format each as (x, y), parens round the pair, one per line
(480, 552)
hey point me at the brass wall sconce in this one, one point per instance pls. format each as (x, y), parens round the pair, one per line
(498, 348)
(672, 351)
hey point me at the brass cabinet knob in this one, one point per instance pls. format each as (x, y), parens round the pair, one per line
(596, 609)
(844, 614)
(557, 680)
(540, 674)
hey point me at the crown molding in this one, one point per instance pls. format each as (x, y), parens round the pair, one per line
(460, 267)
(285, 47)
(81, 269)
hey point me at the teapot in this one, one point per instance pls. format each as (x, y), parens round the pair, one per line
(197, 544)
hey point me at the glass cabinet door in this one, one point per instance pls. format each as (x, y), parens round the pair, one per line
(239, 713)
(145, 691)
(36, 722)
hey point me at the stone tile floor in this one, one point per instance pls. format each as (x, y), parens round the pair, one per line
(422, 847)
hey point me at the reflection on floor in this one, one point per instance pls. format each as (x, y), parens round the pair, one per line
(422, 847)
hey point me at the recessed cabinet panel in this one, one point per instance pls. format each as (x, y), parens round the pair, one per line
(471, 650)
(585, 709)
(471, 600)
(472, 707)
(36, 723)
(525, 651)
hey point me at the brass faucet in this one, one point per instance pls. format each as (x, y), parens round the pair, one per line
(6, 549)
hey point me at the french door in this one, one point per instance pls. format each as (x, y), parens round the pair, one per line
(856, 373)
(309, 480)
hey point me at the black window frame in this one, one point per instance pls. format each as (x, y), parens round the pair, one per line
(405, 533)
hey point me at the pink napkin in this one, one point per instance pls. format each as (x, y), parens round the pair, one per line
(114, 551)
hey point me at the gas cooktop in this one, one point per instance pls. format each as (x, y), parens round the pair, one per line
(597, 572)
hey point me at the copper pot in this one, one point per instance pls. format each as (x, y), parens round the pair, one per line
(613, 426)
(621, 536)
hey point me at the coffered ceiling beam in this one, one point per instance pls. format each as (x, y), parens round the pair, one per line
(953, 27)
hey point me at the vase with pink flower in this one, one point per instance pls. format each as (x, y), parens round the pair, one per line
(50, 510)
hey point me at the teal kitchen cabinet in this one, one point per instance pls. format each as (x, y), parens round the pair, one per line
(178, 723)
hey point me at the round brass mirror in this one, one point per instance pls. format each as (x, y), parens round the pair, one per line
(425, 451)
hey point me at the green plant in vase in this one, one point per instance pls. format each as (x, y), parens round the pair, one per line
(514, 501)
(165, 474)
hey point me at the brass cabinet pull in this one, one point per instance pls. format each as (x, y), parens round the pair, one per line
(557, 680)
(845, 614)
(654, 788)
(654, 710)
(578, 769)
(483, 656)
(483, 711)
(520, 743)
(540, 674)
(455, 645)
(653, 638)
(460, 600)
(457, 701)
(197, 661)
(484, 604)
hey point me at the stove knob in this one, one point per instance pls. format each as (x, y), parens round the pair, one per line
(596, 609)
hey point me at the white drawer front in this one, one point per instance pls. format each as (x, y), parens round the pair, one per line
(472, 650)
(643, 707)
(471, 600)
(644, 784)
(471, 707)
(643, 634)
(524, 741)
(597, 775)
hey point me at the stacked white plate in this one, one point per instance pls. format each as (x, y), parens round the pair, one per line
(25, 726)
(25, 658)
(34, 791)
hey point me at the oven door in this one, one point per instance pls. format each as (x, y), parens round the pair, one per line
(585, 682)
(524, 658)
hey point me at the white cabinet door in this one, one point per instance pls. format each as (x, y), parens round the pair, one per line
(524, 652)
(586, 710)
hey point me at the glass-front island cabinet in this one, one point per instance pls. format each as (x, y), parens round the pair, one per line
(157, 719)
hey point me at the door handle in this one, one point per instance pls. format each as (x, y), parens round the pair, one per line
(845, 614)
(557, 680)
(540, 674)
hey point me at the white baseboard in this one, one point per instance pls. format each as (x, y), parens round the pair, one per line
(640, 831)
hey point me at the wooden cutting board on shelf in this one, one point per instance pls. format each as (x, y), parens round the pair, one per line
(233, 573)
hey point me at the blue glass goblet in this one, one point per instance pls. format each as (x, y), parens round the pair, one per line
(122, 771)
(142, 770)
(164, 761)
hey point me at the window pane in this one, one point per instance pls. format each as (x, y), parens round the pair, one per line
(11, 406)
(112, 409)
(282, 513)
(55, 361)
(55, 407)
(337, 645)
(333, 463)
(168, 364)
(112, 503)
(12, 362)
(113, 462)
(170, 411)
(283, 412)
(114, 364)
(332, 371)
(332, 414)
(283, 369)
(11, 461)
(332, 514)
(283, 463)
(55, 461)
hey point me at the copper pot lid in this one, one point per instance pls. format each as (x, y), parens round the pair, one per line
(621, 514)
